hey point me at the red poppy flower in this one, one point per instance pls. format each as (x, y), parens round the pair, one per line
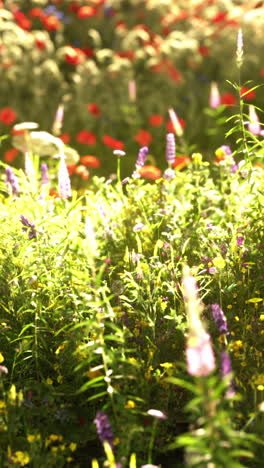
(112, 142)
(86, 12)
(90, 161)
(86, 138)
(51, 23)
(94, 109)
(88, 52)
(71, 169)
(74, 56)
(10, 155)
(65, 137)
(40, 43)
(246, 94)
(36, 13)
(170, 127)
(143, 137)
(181, 162)
(174, 74)
(203, 50)
(22, 21)
(228, 99)
(73, 7)
(150, 172)
(156, 120)
(7, 116)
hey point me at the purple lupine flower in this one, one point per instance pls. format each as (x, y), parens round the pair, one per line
(142, 154)
(240, 241)
(44, 174)
(170, 148)
(12, 180)
(103, 428)
(199, 354)
(28, 227)
(226, 369)
(219, 318)
(64, 180)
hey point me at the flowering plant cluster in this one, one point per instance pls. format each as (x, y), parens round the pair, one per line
(131, 314)
(117, 67)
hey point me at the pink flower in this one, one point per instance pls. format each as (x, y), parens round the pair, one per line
(199, 354)
(215, 98)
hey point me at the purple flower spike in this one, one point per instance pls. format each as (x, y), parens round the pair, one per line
(64, 180)
(226, 369)
(240, 241)
(170, 148)
(219, 318)
(44, 174)
(103, 428)
(12, 180)
(142, 154)
(28, 227)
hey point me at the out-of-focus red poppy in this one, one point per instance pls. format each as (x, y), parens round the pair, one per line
(129, 54)
(36, 13)
(174, 74)
(7, 116)
(228, 99)
(170, 127)
(65, 137)
(143, 137)
(51, 23)
(90, 161)
(40, 43)
(181, 162)
(86, 12)
(150, 172)
(246, 94)
(74, 7)
(74, 56)
(112, 142)
(10, 155)
(156, 120)
(204, 50)
(86, 138)
(88, 52)
(219, 17)
(22, 21)
(71, 169)
(94, 109)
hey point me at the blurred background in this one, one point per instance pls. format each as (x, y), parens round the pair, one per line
(114, 68)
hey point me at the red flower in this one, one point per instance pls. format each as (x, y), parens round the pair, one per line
(65, 137)
(10, 155)
(90, 161)
(51, 23)
(71, 169)
(7, 116)
(156, 120)
(228, 99)
(22, 21)
(36, 13)
(181, 162)
(129, 54)
(94, 109)
(40, 43)
(246, 94)
(143, 137)
(170, 127)
(174, 74)
(112, 142)
(150, 172)
(262, 72)
(88, 52)
(86, 12)
(74, 7)
(74, 56)
(86, 138)
(221, 16)
(204, 50)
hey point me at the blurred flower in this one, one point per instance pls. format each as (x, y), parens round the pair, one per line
(90, 161)
(228, 99)
(132, 91)
(112, 142)
(157, 414)
(58, 121)
(156, 120)
(3, 370)
(74, 56)
(138, 227)
(247, 94)
(7, 116)
(10, 155)
(170, 148)
(222, 152)
(150, 172)
(94, 109)
(169, 174)
(51, 22)
(29, 168)
(82, 171)
(181, 161)
(119, 152)
(178, 129)
(215, 98)
(64, 180)
(219, 318)
(44, 174)
(142, 154)
(29, 227)
(86, 138)
(239, 51)
(65, 137)
(240, 241)
(143, 137)
(12, 180)
(253, 125)
(226, 370)
(86, 12)
(103, 428)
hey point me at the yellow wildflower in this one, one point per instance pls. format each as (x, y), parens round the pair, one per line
(219, 262)
(1, 358)
(21, 457)
(49, 381)
(72, 446)
(130, 404)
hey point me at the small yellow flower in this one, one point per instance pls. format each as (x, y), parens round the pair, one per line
(59, 349)
(1, 358)
(31, 438)
(219, 262)
(197, 158)
(49, 381)
(166, 365)
(116, 441)
(21, 457)
(130, 404)
(54, 449)
(261, 317)
(72, 446)
(59, 378)
(260, 387)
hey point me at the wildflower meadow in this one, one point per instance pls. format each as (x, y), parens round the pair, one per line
(132, 234)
